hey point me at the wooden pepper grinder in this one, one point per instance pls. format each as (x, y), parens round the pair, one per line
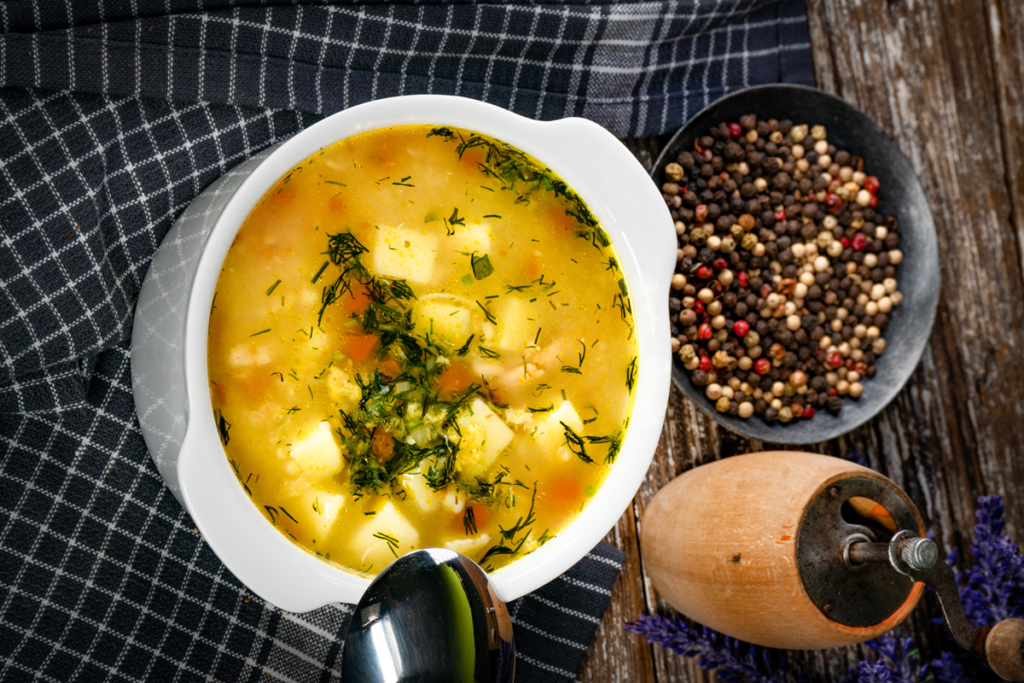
(803, 551)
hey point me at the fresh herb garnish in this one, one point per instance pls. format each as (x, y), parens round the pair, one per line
(631, 375)
(487, 353)
(256, 334)
(273, 287)
(481, 266)
(390, 540)
(575, 443)
(508, 545)
(523, 177)
(224, 427)
(490, 317)
(320, 272)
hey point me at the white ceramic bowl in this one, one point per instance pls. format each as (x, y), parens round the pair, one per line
(169, 371)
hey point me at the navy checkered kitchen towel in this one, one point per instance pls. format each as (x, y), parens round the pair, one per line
(113, 116)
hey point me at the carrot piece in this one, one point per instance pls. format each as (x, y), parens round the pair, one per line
(556, 217)
(337, 204)
(382, 444)
(454, 380)
(533, 265)
(480, 516)
(358, 347)
(565, 495)
(389, 366)
(284, 197)
(471, 161)
(356, 300)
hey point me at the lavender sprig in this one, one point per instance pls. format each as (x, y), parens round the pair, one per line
(732, 660)
(900, 658)
(948, 670)
(873, 672)
(992, 589)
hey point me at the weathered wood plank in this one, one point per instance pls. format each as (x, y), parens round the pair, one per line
(616, 655)
(1006, 29)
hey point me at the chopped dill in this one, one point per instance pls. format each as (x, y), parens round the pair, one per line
(224, 427)
(320, 272)
(490, 316)
(631, 375)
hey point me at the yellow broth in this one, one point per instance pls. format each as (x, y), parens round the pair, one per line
(421, 338)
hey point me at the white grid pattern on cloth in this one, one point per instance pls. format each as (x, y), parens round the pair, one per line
(273, 34)
(110, 124)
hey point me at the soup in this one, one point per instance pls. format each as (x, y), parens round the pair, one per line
(421, 337)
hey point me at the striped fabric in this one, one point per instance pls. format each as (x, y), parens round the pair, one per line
(113, 116)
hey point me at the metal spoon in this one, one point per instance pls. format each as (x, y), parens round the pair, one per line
(431, 615)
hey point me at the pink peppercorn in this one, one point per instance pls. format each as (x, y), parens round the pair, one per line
(858, 242)
(762, 366)
(740, 328)
(735, 130)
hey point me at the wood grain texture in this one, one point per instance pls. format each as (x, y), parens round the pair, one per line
(946, 79)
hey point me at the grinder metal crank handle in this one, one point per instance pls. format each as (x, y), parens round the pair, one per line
(1001, 646)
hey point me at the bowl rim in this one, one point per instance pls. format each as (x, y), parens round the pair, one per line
(790, 434)
(260, 556)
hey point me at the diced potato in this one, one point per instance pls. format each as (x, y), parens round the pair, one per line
(317, 510)
(343, 389)
(418, 493)
(472, 238)
(468, 546)
(515, 330)
(550, 434)
(489, 369)
(387, 523)
(445, 324)
(405, 254)
(484, 436)
(318, 453)
(240, 356)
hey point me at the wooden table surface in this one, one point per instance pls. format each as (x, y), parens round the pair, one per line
(946, 79)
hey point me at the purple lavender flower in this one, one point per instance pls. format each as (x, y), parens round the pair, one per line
(732, 660)
(948, 670)
(873, 672)
(900, 658)
(992, 589)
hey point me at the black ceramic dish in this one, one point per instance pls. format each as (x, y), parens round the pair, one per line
(901, 196)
